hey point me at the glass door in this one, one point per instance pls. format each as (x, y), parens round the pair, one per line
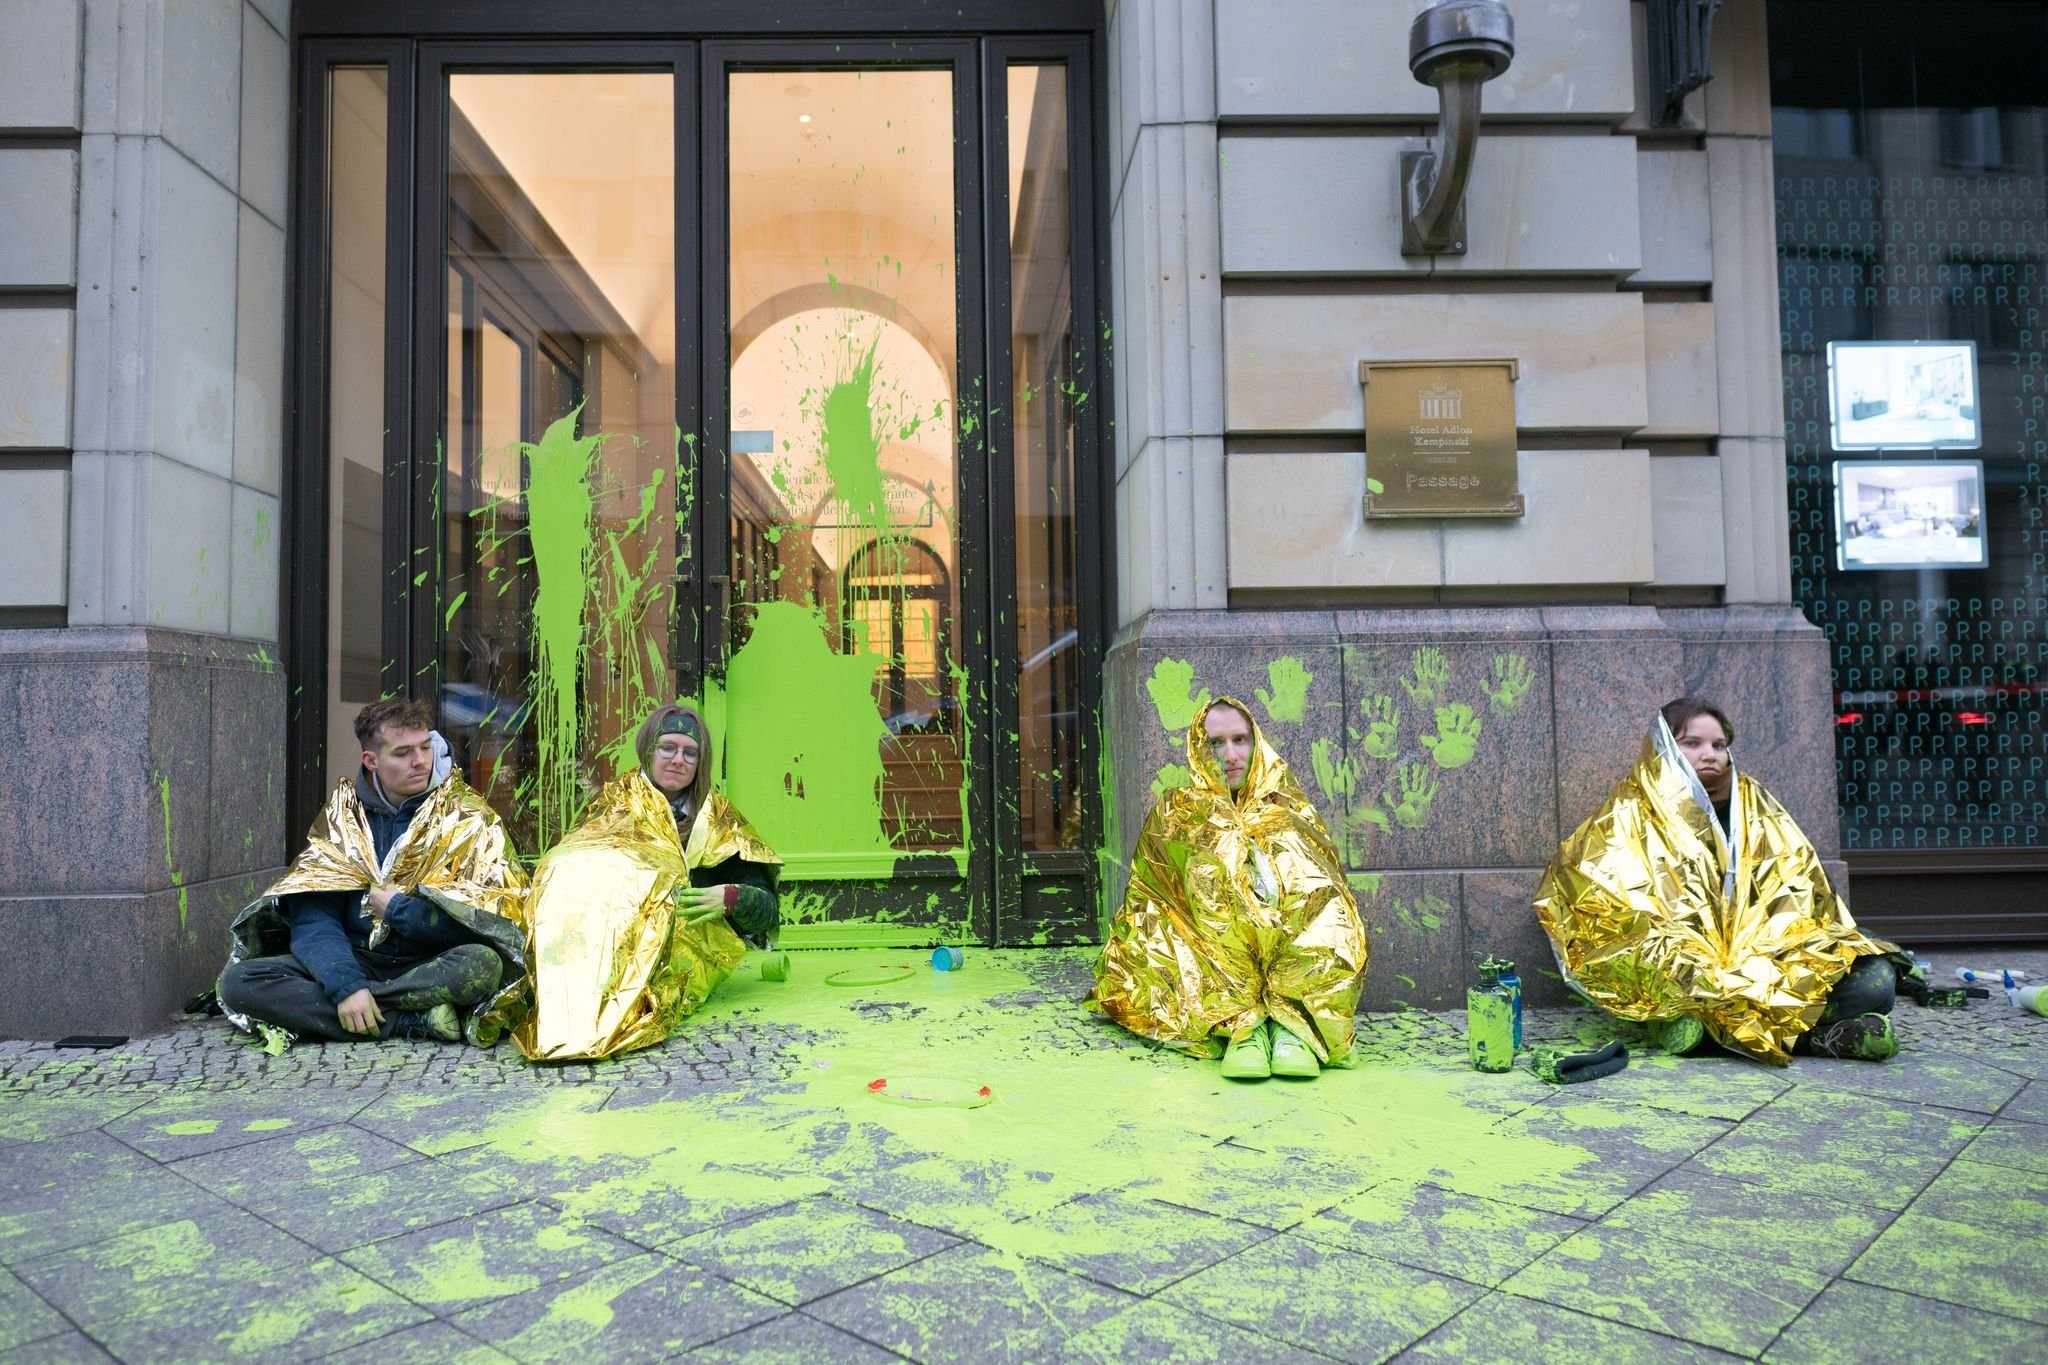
(759, 374)
(558, 512)
(854, 697)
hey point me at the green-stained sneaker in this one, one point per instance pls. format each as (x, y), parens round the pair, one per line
(439, 1024)
(1250, 1058)
(1864, 1038)
(1291, 1056)
(1676, 1037)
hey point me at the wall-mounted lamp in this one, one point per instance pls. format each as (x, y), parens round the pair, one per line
(1456, 46)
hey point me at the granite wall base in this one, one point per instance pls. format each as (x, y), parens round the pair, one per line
(141, 805)
(1450, 750)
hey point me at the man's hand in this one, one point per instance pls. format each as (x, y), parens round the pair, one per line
(701, 904)
(359, 1013)
(380, 899)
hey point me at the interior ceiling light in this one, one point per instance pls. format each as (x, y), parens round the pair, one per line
(803, 118)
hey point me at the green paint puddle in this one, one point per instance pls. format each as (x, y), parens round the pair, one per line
(192, 1127)
(1075, 1109)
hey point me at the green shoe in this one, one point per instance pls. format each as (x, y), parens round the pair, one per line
(440, 1024)
(1676, 1037)
(1291, 1056)
(1865, 1038)
(1250, 1058)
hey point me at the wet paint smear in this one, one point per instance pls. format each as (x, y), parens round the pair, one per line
(806, 737)
(163, 789)
(559, 503)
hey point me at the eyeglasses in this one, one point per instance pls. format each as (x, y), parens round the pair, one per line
(675, 751)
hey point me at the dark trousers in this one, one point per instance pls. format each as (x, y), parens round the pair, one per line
(279, 990)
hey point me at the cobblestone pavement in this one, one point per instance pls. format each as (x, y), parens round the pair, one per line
(812, 1171)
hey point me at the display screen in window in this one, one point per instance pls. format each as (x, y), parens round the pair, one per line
(1909, 514)
(1910, 395)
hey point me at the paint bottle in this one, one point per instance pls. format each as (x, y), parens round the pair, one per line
(2033, 998)
(1490, 1022)
(1509, 979)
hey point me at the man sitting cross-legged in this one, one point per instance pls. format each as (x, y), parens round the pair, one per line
(400, 918)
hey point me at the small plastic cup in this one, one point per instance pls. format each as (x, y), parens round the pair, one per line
(775, 967)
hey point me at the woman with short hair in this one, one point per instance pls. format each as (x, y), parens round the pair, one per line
(1693, 901)
(644, 908)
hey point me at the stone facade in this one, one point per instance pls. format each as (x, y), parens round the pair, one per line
(1254, 238)
(142, 208)
(1629, 269)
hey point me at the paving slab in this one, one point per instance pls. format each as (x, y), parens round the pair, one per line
(24, 1317)
(506, 1252)
(154, 1272)
(300, 1313)
(2030, 1105)
(1155, 1333)
(2008, 1199)
(71, 1348)
(790, 1337)
(1957, 1263)
(1699, 1294)
(1480, 1240)
(58, 1115)
(647, 1307)
(971, 1303)
(198, 1122)
(259, 1169)
(65, 1192)
(1323, 1299)
(1141, 1245)
(1506, 1329)
(808, 1249)
(344, 1211)
(430, 1343)
(1847, 1322)
(2024, 1145)
(1786, 1226)
(1250, 1186)
(1930, 1078)
(1842, 1145)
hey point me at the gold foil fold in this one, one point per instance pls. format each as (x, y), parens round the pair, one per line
(456, 852)
(1654, 913)
(1196, 956)
(615, 966)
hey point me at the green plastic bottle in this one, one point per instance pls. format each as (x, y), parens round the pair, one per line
(1490, 1022)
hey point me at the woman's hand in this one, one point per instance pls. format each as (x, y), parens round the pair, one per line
(701, 904)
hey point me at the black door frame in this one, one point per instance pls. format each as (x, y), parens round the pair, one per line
(1044, 897)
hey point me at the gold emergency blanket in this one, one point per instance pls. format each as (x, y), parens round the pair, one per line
(455, 852)
(1237, 912)
(1654, 914)
(615, 966)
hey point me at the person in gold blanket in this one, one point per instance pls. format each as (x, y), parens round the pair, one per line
(1692, 900)
(641, 911)
(1239, 931)
(400, 917)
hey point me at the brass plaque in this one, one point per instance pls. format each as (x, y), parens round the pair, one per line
(1440, 438)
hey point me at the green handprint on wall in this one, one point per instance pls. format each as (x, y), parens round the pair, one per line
(1171, 776)
(1171, 686)
(1429, 675)
(1382, 720)
(1457, 736)
(1413, 790)
(1290, 682)
(1336, 772)
(1511, 678)
(1337, 776)
(1427, 911)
